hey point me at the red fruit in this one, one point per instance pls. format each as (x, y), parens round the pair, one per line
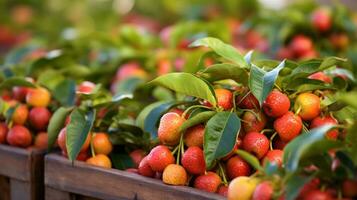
(137, 156)
(320, 121)
(83, 156)
(263, 191)
(301, 44)
(321, 20)
(19, 93)
(39, 118)
(256, 143)
(237, 145)
(310, 186)
(38, 97)
(61, 140)
(41, 141)
(3, 132)
(274, 156)
(223, 190)
(194, 136)
(164, 67)
(318, 195)
(339, 41)
(284, 53)
(321, 76)
(144, 168)
(279, 144)
(20, 115)
(176, 110)
(349, 188)
(208, 182)
(288, 126)
(19, 136)
(247, 101)
(312, 53)
(308, 106)
(253, 122)
(193, 161)
(128, 70)
(86, 87)
(236, 166)
(224, 98)
(168, 131)
(276, 104)
(160, 157)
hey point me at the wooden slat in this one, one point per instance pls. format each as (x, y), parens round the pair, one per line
(53, 194)
(20, 190)
(4, 188)
(15, 162)
(112, 184)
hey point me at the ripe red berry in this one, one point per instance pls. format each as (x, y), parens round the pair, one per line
(247, 101)
(160, 157)
(263, 191)
(318, 195)
(256, 143)
(208, 182)
(253, 122)
(39, 118)
(144, 168)
(320, 121)
(236, 166)
(321, 20)
(301, 44)
(288, 126)
(276, 104)
(193, 161)
(224, 98)
(274, 156)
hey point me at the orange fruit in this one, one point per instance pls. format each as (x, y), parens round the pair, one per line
(174, 175)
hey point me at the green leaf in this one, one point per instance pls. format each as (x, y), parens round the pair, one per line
(140, 120)
(261, 82)
(128, 86)
(121, 161)
(197, 119)
(349, 98)
(77, 131)
(225, 71)
(252, 160)
(65, 92)
(187, 84)
(294, 184)
(220, 136)
(15, 81)
(248, 57)
(18, 54)
(351, 141)
(226, 51)
(304, 145)
(56, 124)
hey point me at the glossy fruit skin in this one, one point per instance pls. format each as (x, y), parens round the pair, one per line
(223, 190)
(320, 121)
(224, 98)
(288, 126)
(349, 188)
(247, 101)
(274, 156)
(137, 156)
(256, 143)
(236, 167)
(208, 182)
(310, 186)
(102, 144)
(320, 76)
(278, 143)
(20, 115)
(300, 45)
(41, 140)
(3, 132)
(194, 136)
(19, 136)
(276, 104)
(86, 87)
(242, 188)
(144, 168)
(309, 104)
(168, 131)
(321, 20)
(100, 160)
(160, 157)
(38, 97)
(19, 93)
(61, 140)
(193, 161)
(39, 118)
(254, 122)
(174, 175)
(317, 195)
(263, 191)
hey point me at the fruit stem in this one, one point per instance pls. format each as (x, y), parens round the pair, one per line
(298, 111)
(91, 145)
(305, 129)
(180, 149)
(271, 140)
(245, 96)
(191, 107)
(266, 130)
(277, 86)
(175, 150)
(223, 174)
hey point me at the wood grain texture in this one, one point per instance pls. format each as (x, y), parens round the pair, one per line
(113, 184)
(53, 194)
(4, 188)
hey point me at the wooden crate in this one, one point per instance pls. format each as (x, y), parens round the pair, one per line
(21, 173)
(82, 181)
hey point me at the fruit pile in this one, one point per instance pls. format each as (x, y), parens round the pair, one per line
(26, 113)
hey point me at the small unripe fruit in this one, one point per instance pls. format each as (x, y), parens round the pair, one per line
(137, 156)
(308, 106)
(19, 136)
(168, 131)
(263, 191)
(208, 182)
(20, 115)
(160, 157)
(144, 168)
(38, 97)
(3, 132)
(41, 141)
(276, 104)
(193, 161)
(236, 167)
(194, 136)
(288, 126)
(242, 188)
(253, 122)
(39, 118)
(256, 143)
(174, 175)
(102, 144)
(100, 160)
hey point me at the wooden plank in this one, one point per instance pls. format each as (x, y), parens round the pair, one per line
(15, 162)
(37, 174)
(113, 184)
(20, 190)
(4, 188)
(53, 194)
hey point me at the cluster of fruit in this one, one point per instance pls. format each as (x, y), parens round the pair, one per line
(27, 116)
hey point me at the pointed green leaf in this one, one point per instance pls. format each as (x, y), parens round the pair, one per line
(197, 119)
(252, 160)
(56, 124)
(225, 71)
(15, 81)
